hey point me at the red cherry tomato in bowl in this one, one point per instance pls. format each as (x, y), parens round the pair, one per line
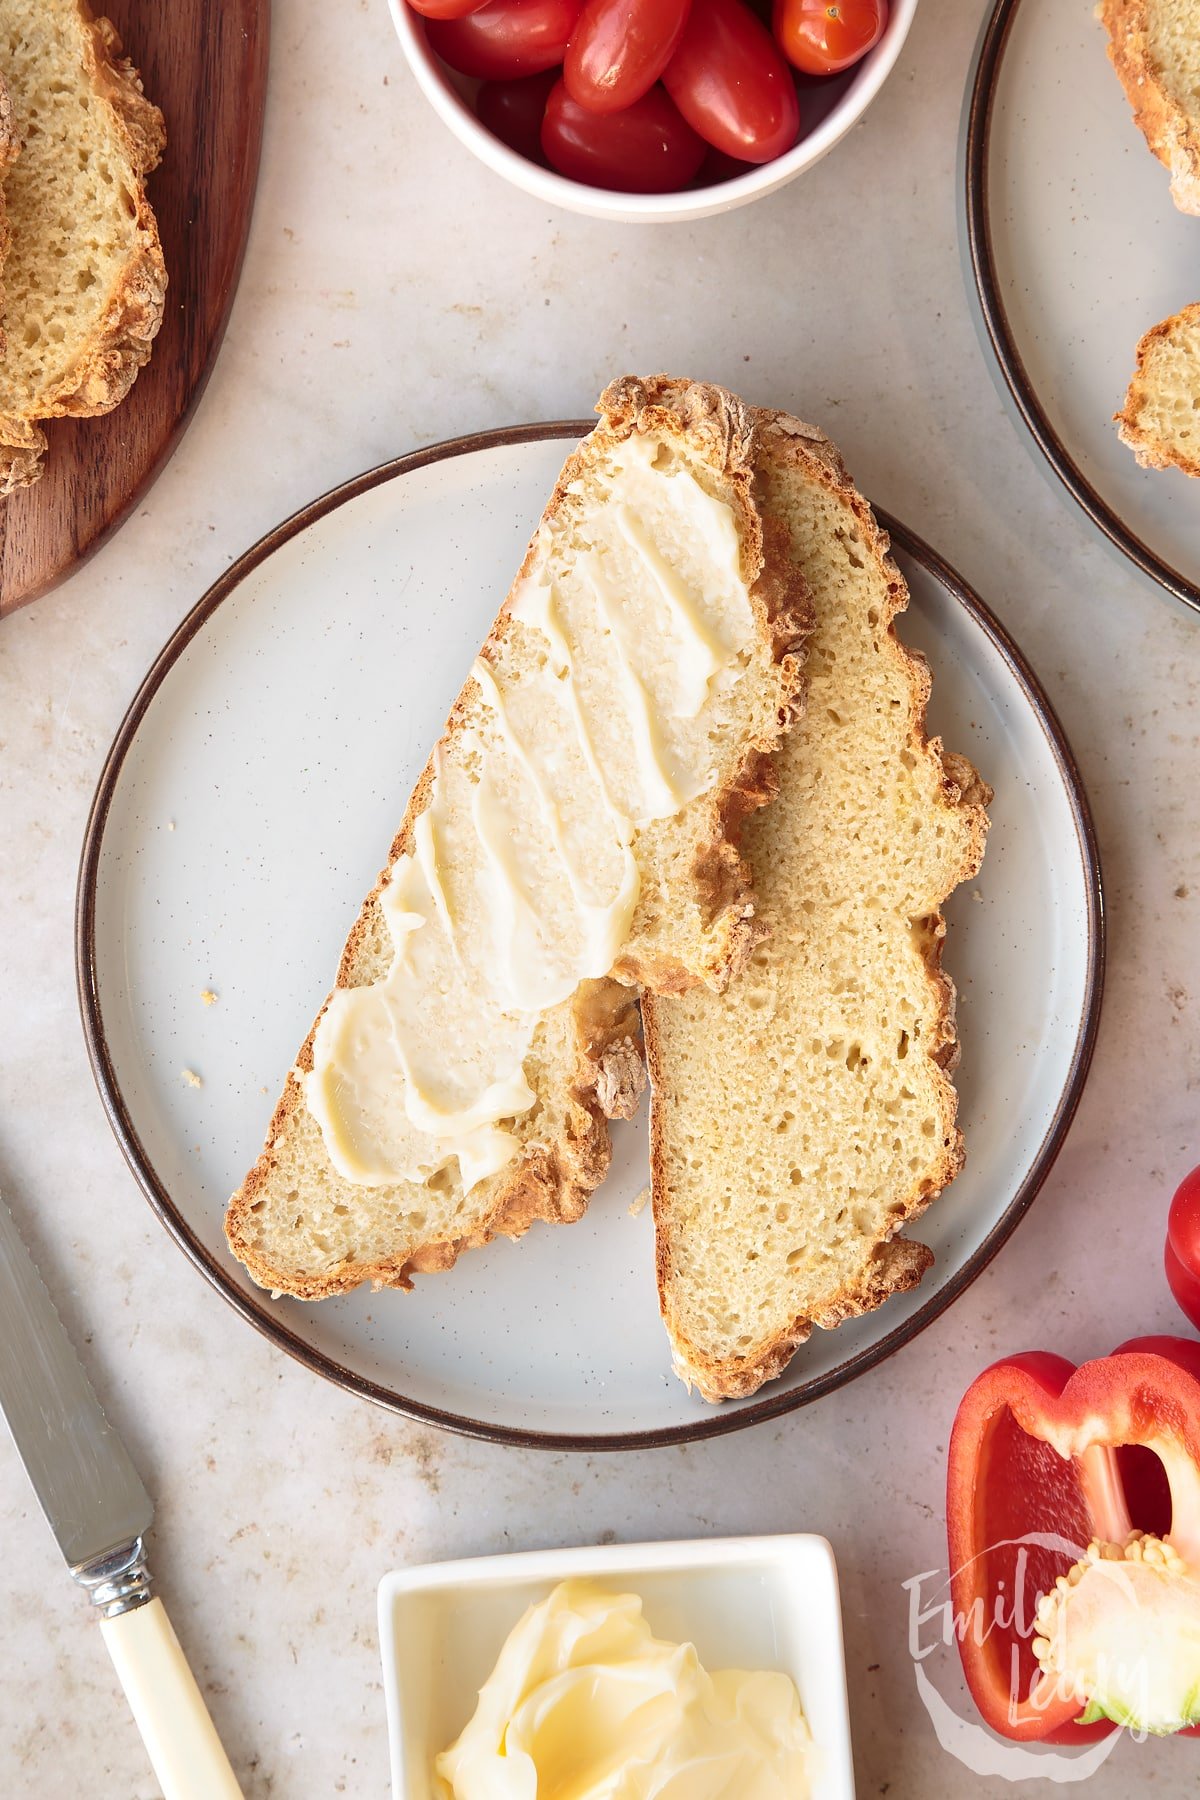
(506, 38)
(446, 9)
(731, 84)
(620, 48)
(645, 149)
(513, 111)
(823, 37)
(1183, 1246)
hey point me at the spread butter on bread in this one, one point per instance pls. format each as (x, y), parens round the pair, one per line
(803, 1116)
(573, 835)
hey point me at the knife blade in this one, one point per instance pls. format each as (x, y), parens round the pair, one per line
(99, 1512)
(87, 1487)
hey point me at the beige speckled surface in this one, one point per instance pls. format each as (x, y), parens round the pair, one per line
(370, 320)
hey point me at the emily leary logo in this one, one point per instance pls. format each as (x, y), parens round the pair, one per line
(934, 1626)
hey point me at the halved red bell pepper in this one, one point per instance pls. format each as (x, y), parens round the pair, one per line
(1064, 1456)
(1182, 1257)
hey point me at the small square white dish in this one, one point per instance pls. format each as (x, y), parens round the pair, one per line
(748, 1603)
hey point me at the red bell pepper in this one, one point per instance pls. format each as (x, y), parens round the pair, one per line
(1183, 1246)
(1064, 1456)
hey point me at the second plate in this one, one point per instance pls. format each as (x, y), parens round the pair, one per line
(1076, 250)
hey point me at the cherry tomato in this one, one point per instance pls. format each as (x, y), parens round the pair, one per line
(620, 48)
(823, 37)
(506, 38)
(1183, 1246)
(644, 149)
(731, 84)
(512, 111)
(446, 9)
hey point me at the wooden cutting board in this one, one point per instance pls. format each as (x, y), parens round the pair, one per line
(204, 62)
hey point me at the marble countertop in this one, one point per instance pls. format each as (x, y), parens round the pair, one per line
(371, 320)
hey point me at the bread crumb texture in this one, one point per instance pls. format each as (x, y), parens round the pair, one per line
(1160, 420)
(84, 278)
(803, 1116)
(1154, 46)
(10, 145)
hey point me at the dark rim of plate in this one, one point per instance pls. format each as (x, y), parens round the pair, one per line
(712, 1422)
(981, 101)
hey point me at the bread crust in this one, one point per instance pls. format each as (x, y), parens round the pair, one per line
(119, 344)
(1171, 132)
(896, 1264)
(605, 1024)
(1151, 451)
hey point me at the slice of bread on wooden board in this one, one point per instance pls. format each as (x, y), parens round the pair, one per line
(84, 278)
(10, 145)
(1160, 420)
(1154, 46)
(710, 603)
(806, 1114)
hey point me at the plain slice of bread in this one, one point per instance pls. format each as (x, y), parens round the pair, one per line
(1154, 46)
(1160, 420)
(10, 145)
(296, 1223)
(84, 279)
(802, 1117)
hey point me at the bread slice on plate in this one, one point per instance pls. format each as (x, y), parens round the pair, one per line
(574, 833)
(1154, 46)
(800, 1118)
(1160, 420)
(84, 278)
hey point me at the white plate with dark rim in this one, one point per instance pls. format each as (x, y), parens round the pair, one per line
(242, 813)
(1076, 250)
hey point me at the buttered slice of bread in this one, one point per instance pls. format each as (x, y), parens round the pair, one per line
(1160, 420)
(803, 1116)
(573, 833)
(84, 278)
(1154, 46)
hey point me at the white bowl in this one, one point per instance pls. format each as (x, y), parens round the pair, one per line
(442, 88)
(749, 1603)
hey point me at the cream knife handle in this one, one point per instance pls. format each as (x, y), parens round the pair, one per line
(168, 1706)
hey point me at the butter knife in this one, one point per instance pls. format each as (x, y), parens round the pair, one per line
(100, 1513)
